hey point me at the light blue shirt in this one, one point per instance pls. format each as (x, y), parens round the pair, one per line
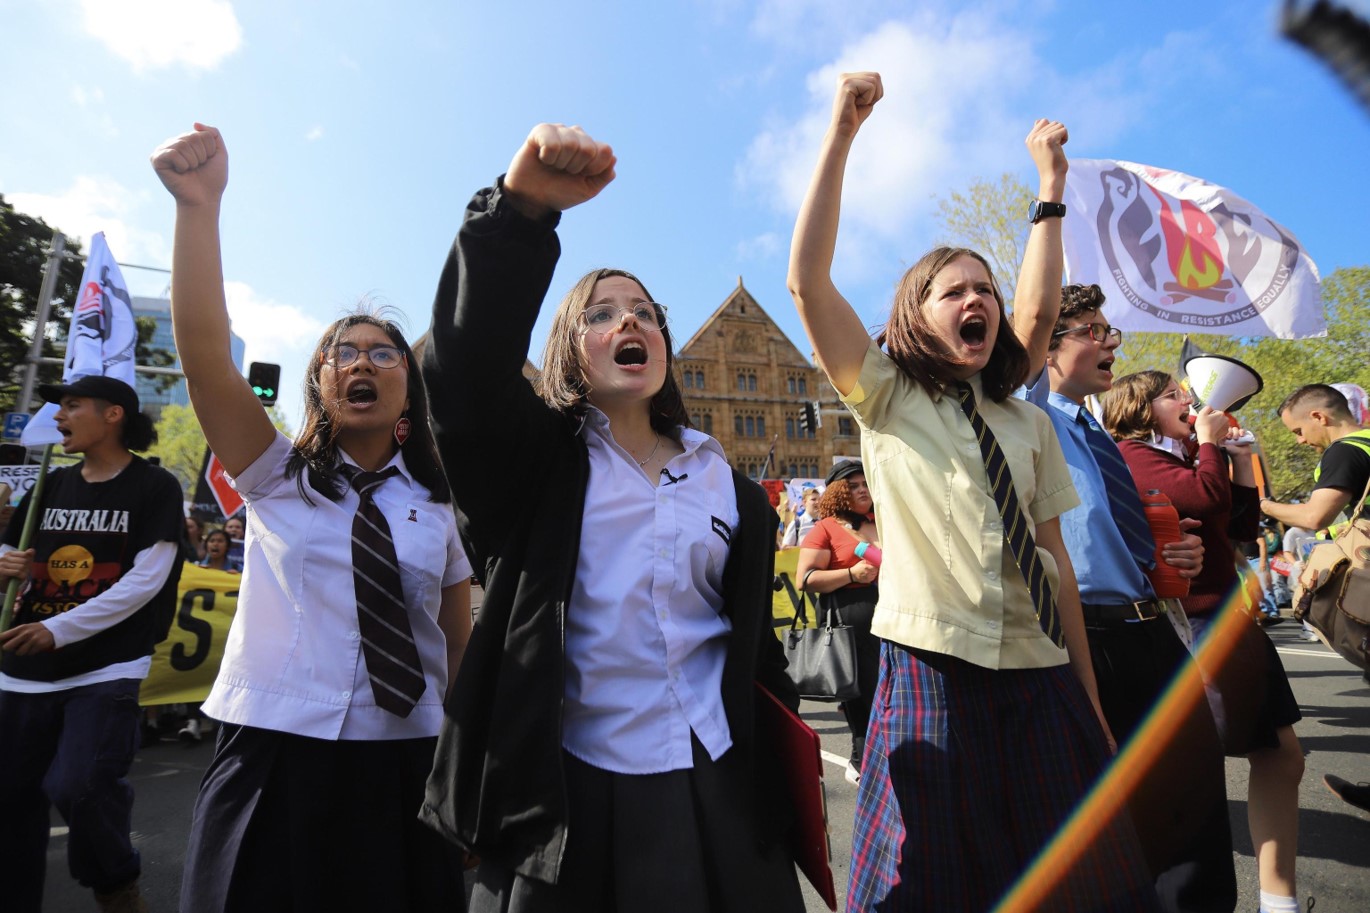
(1105, 570)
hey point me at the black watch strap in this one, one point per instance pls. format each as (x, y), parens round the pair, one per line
(1039, 210)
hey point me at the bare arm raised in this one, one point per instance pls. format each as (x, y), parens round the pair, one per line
(838, 337)
(1037, 300)
(194, 168)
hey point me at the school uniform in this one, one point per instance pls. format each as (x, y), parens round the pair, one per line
(311, 799)
(982, 740)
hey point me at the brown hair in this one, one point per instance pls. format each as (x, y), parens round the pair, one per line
(836, 502)
(315, 454)
(1318, 396)
(912, 342)
(1076, 301)
(562, 381)
(1128, 415)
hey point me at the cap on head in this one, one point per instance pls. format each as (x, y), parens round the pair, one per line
(94, 386)
(844, 469)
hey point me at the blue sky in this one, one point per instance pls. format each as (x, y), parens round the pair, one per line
(358, 131)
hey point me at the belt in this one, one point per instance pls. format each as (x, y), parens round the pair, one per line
(1127, 611)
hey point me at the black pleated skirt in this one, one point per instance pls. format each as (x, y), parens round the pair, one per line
(675, 842)
(289, 823)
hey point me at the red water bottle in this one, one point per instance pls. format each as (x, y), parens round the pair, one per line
(1165, 529)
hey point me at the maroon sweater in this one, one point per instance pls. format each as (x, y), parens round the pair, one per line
(1205, 492)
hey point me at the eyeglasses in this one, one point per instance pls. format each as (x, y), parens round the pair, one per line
(1097, 332)
(345, 354)
(602, 318)
(1179, 396)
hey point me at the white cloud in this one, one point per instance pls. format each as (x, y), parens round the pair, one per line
(272, 331)
(95, 203)
(86, 97)
(155, 34)
(314, 133)
(762, 247)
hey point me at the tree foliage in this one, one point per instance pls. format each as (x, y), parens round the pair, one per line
(991, 218)
(24, 243)
(181, 443)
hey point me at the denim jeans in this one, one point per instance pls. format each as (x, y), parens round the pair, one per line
(71, 749)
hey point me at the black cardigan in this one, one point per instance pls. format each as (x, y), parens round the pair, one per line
(497, 787)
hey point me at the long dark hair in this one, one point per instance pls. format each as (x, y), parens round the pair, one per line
(912, 341)
(562, 381)
(315, 455)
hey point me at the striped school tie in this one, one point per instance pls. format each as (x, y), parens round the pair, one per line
(392, 659)
(1123, 501)
(1015, 524)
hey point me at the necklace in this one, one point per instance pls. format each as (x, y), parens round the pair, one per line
(643, 462)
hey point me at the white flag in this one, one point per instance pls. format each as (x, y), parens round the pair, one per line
(1176, 254)
(103, 338)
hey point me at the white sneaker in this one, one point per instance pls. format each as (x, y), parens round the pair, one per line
(853, 775)
(1309, 637)
(190, 732)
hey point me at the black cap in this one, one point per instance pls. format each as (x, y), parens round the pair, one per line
(95, 386)
(844, 469)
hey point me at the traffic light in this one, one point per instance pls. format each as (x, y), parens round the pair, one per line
(812, 420)
(265, 380)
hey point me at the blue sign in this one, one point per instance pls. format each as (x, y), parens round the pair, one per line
(14, 425)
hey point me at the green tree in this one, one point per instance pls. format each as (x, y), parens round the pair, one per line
(24, 242)
(181, 443)
(991, 219)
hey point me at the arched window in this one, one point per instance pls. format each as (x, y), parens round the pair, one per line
(742, 383)
(699, 380)
(689, 379)
(803, 385)
(751, 383)
(708, 423)
(789, 427)
(751, 471)
(694, 419)
(737, 424)
(791, 385)
(751, 427)
(794, 470)
(761, 426)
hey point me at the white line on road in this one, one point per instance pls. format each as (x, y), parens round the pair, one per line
(1295, 651)
(833, 759)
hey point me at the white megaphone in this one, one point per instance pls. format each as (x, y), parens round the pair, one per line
(1223, 383)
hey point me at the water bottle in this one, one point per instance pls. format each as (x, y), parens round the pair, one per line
(872, 554)
(1165, 529)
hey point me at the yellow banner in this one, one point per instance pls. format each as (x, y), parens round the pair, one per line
(185, 664)
(785, 603)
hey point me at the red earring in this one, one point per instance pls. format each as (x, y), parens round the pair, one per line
(402, 429)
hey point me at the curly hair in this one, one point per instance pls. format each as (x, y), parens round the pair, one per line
(1076, 301)
(1128, 415)
(836, 502)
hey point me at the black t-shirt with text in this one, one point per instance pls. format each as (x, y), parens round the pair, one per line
(87, 536)
(1345, 466)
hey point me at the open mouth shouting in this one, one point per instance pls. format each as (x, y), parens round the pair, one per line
(630, 353)
(974, 332)
(361, 392)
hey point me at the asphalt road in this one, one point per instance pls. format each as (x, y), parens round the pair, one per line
(1334, 862)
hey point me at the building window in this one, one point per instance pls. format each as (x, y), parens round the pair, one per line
(844, 426)
(751, 427)
(689, 379)
(761, 426)
(813, 432)
(803, 386)
(737, 425)
(699, 380)
(789, 427)
(791, 385)
(794, 470)
(751, 471)
(813, 470)
(751, 383)
(742, 383)
(708, 423)
(694, 419)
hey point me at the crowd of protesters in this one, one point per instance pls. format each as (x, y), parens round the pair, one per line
(591, 742)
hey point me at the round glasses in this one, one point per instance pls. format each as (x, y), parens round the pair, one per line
(344, 354)
(1097, 332)
(1179, 396)
(602, 318)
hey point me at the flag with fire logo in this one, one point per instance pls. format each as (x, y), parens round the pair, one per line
(103, 337)
(1176, 254)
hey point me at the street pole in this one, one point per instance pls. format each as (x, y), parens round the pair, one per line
(56, 253)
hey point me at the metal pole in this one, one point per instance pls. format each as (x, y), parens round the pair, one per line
(55, 255)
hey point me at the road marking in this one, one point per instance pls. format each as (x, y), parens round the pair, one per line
(831, 758)
(1295, 651)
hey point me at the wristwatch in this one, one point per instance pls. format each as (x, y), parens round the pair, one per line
(1038, 210)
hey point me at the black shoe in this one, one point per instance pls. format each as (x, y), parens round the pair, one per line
(1357, 794)
(1270, 621)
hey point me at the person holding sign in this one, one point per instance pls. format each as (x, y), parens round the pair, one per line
(101, 581)
(354, 612)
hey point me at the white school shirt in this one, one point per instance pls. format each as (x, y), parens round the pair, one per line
(646, 638)
(293, 661)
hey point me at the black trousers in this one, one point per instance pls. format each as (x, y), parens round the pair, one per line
(857, 607)
(1179, 807)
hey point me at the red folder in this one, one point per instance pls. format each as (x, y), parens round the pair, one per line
(797, 747)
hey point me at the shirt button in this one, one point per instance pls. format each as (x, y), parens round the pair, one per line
(346, 695)
(995, 526)
(662, 614)
(992, 625)
(662, 553)
(355, 635)
(993, 575)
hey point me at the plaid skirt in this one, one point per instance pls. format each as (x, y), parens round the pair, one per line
(968, 774)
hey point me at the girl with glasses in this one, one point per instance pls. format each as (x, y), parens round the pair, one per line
(602, 754)
(1148, 414)
(353, 613)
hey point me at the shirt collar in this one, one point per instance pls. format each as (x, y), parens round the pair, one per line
(397, 461)
(690, 439)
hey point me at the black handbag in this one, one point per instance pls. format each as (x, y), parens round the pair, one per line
(822, 660)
